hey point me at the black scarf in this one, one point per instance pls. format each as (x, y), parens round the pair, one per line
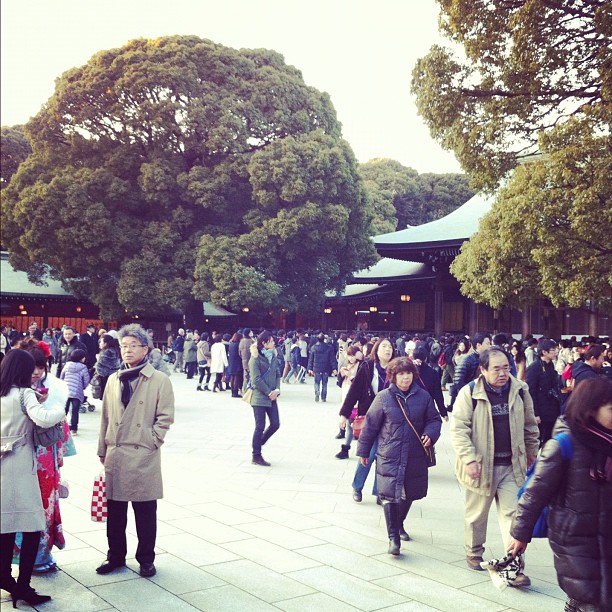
(599, 439)
(126, 376)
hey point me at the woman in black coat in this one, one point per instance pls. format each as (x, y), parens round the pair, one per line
(401, 461)
(578, 493)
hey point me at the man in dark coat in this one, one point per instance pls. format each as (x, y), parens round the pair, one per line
(544, 388)
(90, 340)
(591, 367)
(469, 369)
(321, 363)
(67, 345)
(429, 379)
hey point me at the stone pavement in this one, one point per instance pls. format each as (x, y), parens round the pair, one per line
(233, 536)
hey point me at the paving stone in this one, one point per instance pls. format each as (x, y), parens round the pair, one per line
(195, 550)
(318, 602)
(280, 535)
(227, 599)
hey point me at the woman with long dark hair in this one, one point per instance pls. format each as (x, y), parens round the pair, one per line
(578, 492)
(371, 378)
(234, 368)
(21, 504)
(264, 374)
(109, 359)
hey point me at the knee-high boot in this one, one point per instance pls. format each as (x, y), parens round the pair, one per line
(392, 520)
(403, 509)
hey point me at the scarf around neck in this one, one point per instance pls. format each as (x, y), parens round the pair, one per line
(126, 376)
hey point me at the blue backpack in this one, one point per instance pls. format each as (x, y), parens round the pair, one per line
(541, 527)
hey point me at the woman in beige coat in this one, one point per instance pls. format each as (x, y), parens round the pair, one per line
(137, 411)
(20, 500)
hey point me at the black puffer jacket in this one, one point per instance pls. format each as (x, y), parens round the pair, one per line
(400, 459)
(582, 371)
(543, 384)
(579, 522)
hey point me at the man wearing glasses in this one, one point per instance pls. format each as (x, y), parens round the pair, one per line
(495, 437)
(137, 411)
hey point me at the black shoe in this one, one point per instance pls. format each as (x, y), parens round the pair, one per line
(341, 434)
(394, 547)
(357, 495)
(344, 452)
(259, 460)
(29, 595)
(199, 388)
(147, 570)
(109, 566)
(316, 398)
(403, 535)
(323, 400)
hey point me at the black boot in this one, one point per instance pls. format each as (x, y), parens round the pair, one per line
(341, 434)
(392, 519)
(344, 452)
(403, 509)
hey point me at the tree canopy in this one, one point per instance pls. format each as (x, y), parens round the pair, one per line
(548, 233)
(176, 168)
(527, 66)
(533, 86)
(14, 148)
(400, 196)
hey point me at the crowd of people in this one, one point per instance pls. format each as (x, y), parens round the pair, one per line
(508, 399)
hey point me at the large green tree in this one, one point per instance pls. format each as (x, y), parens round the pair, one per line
(548, 232)
(533, 84)
(525, 67)
(177, 167)
(400, 196)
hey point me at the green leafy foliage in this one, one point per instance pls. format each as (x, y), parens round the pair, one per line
(14, 149)
(177, 168)
(400, 196)
(527, 65)
(549, 231)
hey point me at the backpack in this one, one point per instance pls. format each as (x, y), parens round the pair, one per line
(540, 529)
(442, 360)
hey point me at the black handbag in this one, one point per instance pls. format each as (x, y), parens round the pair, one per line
(43, 436)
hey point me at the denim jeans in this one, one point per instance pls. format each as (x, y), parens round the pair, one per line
(349, 434)
(73, 405)
(361, 473)
(260, 437)
(320, 380)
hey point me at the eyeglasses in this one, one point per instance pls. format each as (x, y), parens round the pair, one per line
(124, 347)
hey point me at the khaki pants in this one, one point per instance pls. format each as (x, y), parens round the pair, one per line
(503, 490)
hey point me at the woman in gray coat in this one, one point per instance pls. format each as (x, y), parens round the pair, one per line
(401, 461)
(21, 505)
(264, 375)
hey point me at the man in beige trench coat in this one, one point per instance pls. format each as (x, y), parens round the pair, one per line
(137, 411)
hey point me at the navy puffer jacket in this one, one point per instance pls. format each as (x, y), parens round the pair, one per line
(400, 459)
(579, 520)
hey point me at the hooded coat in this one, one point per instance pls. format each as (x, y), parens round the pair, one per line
(579, 519)
(400, 460)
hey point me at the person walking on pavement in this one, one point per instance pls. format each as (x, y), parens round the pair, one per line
(265, 380)
(321, 364)
(404, 421)
(177, 348)
(137, 412)
(495, 437)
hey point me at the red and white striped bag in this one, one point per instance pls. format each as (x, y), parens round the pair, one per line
(99, 509)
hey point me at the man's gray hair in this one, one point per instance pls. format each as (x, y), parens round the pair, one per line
(135, 331)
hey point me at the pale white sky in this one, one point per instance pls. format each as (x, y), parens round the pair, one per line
(359, 51)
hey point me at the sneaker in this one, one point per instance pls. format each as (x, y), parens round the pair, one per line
(474, 563)
(521, 581)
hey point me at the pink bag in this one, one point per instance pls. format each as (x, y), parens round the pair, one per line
(99, 510)
(567, 372)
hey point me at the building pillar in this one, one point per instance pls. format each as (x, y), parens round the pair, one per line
(526, 326)
(438, 307)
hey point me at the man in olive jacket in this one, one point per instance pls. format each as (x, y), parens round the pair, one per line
(137, 411)
(495, 437)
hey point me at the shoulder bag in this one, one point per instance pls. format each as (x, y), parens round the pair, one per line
(430, 451)
(43, 436)
(248, 392)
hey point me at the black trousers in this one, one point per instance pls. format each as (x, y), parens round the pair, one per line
(146, 529)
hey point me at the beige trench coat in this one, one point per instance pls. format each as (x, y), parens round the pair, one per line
(131, 437)
(472, 434)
